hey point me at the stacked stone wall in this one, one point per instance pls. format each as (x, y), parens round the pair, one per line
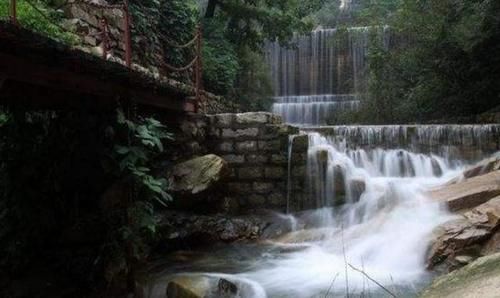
(256, 147)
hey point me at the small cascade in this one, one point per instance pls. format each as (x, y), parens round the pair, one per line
(313, 109)
(289, 173)
(454, 142)
(339, 175)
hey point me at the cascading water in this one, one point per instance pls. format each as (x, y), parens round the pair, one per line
(372, 221)
(322, 74)
(372, 215)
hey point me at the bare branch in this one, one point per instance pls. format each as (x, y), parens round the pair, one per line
(373, 280)
(331, 285)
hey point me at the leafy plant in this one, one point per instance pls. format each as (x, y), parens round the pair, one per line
(138, 144)
(46, 24)
(134, 158)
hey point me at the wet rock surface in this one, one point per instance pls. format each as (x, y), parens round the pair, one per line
(484, 167)
(192, 229)
(481, 278)
(470, 192)
(197, 175)
(462, 240)
(199, 286)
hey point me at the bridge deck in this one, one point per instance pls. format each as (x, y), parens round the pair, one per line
(39, 72)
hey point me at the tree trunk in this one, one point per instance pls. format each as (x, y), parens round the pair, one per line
(212, 5)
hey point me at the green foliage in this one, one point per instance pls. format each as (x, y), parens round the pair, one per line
(134, 158)
(137, 145)
(234, 33)
(220, 60)
(250, 23)
(253, 90)
(30, 18)
(439, 66)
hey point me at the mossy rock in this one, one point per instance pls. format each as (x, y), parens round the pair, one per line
(481, 278)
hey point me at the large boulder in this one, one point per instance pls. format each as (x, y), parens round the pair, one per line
(484, 167)
(192, 229)
(478, 279)
(197, 175)
(462, 240)
(468, 193)
(201, 286)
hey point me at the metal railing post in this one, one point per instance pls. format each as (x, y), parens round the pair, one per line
(128, 42)
(198, 65)
(104, 37)
(13, 12)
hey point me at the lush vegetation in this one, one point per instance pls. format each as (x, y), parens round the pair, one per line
(40, 17)
(442, 65)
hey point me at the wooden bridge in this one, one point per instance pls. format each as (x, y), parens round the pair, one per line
(38, 72)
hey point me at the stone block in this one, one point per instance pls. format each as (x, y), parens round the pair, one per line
(274, 145)
(255, 158)
(278, 130)
(250, 173)
(240, 133)
(263, 187)
(225, 147)
(90, 40)
(234, 158)
(256, 200)
(240, 188)
(277, 199)
(253, 118)
(276, 119)
(247, 146)
(275, 173)
(299, 171)
(224, 120)
(279, 159)
(214, 132)
(300, 143)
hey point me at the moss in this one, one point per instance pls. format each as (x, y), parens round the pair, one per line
(46, 24)
(468, 280)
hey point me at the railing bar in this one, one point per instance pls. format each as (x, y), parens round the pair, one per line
(128, 42)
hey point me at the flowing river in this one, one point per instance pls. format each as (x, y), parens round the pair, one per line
(370, 230)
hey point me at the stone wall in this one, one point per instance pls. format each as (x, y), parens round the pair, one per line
(256, 147)
(84, 20)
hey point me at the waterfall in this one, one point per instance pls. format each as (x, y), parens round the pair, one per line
(453, 142)
(313, 109)
(371, 213)
(320, 74)
(339, 175)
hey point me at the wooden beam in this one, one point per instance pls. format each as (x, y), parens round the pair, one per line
(74, 81)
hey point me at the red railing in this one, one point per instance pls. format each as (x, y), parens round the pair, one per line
(195, 65)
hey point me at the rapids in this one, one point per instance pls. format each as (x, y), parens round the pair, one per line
(382, 231)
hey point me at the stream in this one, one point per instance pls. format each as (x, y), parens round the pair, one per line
(368, 239)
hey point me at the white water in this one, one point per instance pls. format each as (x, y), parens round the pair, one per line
(313, 109)
(383, 232)
(321, 74)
